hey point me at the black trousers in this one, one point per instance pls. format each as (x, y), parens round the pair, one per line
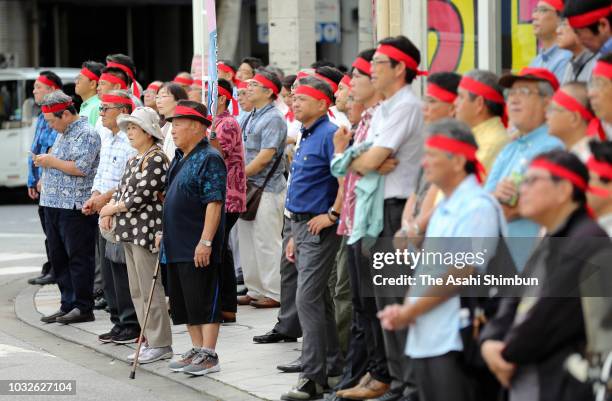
(227, 274)
(399, 365)
(71, 237)
(442, 378)
(288, 320)
(46, 267)
(117, 292)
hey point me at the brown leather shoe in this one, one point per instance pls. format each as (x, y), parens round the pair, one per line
(373, 389)
(362, 383)
(245, 300)
(265, 303)
(228, 317)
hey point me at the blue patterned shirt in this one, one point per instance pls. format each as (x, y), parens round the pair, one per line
(44, 138)
(194, 181)
(79, 143)
(115, 152)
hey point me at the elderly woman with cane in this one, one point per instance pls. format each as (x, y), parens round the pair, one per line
(136, 215)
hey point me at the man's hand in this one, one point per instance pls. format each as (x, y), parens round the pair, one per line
(505, 191)
(32, 193)
(342, 138)
(108, 210)
(98, 203)
(388, 166)
(491, 351)
(318, 223)
(202, 255)
(87, 208)
(44, 160)
(290, 251)
(395, 317)
(158, 239)
(106, 223)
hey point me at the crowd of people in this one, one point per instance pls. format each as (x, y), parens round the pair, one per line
(289, 184)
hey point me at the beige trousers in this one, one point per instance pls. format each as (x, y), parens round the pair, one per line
(260, 245)
(141, 266)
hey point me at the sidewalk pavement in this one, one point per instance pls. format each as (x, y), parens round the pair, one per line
(248, 370)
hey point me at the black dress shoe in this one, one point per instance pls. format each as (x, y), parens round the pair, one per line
(100, 303)
(76, 316)
(52, 318)
(107, 337)
(273, 336)
(44, 280)
(32, 280)
(306, 389)
(291, 367)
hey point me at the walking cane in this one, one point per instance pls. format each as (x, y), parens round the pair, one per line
(144, 325)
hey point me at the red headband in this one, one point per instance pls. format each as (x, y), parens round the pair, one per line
(44, 80)
(590, 18)
(89, 74)
(129, 73)
(399, 56)
(302, 74)
(312, 92)
(153, 87)
(478, 88)
(54, 108)
(362, 65)
(459, 148)
(182, 81)
(440, 93)
(556, 4)
(603, 69)
(184, 110)
(346, 81)
(226, 68)
(266, 83)
(595, 128)
(242, 85)
(117, 99)
(113, 80)
(566, 174)
(571, 104)
(334, 86)
(197, 82)
(224, 92)
(602, 169)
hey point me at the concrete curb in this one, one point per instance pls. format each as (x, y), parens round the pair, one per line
(26, 311)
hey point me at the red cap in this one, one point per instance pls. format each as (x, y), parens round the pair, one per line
(531, 74)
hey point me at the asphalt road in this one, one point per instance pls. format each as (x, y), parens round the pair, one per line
(29, 353)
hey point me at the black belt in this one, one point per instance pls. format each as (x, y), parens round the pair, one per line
(299, 217)
(395, 201)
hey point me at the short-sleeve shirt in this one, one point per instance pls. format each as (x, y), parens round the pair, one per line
(79, 143)
(266, 128)
(90, 110)
(398, 125)
(44, 138)
(115, 152)
(194, 181)
(230, 139)
(313, 188)
(554, 59)
(469, 212)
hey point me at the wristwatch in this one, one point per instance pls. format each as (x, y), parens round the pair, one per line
(333, 212)
(206, 242)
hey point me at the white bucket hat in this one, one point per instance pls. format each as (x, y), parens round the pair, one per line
(146, 118)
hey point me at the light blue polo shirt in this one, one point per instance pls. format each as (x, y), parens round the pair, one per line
(554, 59)
(470, 212)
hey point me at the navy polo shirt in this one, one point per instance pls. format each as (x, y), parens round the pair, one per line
(193, 182)
(312, 188)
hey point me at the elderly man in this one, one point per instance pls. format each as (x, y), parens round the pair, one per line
(314, 202)
(265, 134)
(69, 172)
(115, 152)
(528, 96)
(193, 236)
(467, 210)
(546, 19)
(44, 138)
(480, 104)
(600, 93)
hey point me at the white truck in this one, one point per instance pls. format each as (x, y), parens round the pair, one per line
(18, 114)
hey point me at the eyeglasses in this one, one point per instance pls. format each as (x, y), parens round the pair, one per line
(529, 181)
(104, 109)
(555, 109)
(375, 62)
(254, 84)
(543, 10)
(520, 92)
(162, 96)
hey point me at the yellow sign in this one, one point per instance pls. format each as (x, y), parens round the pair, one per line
(524, 43)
